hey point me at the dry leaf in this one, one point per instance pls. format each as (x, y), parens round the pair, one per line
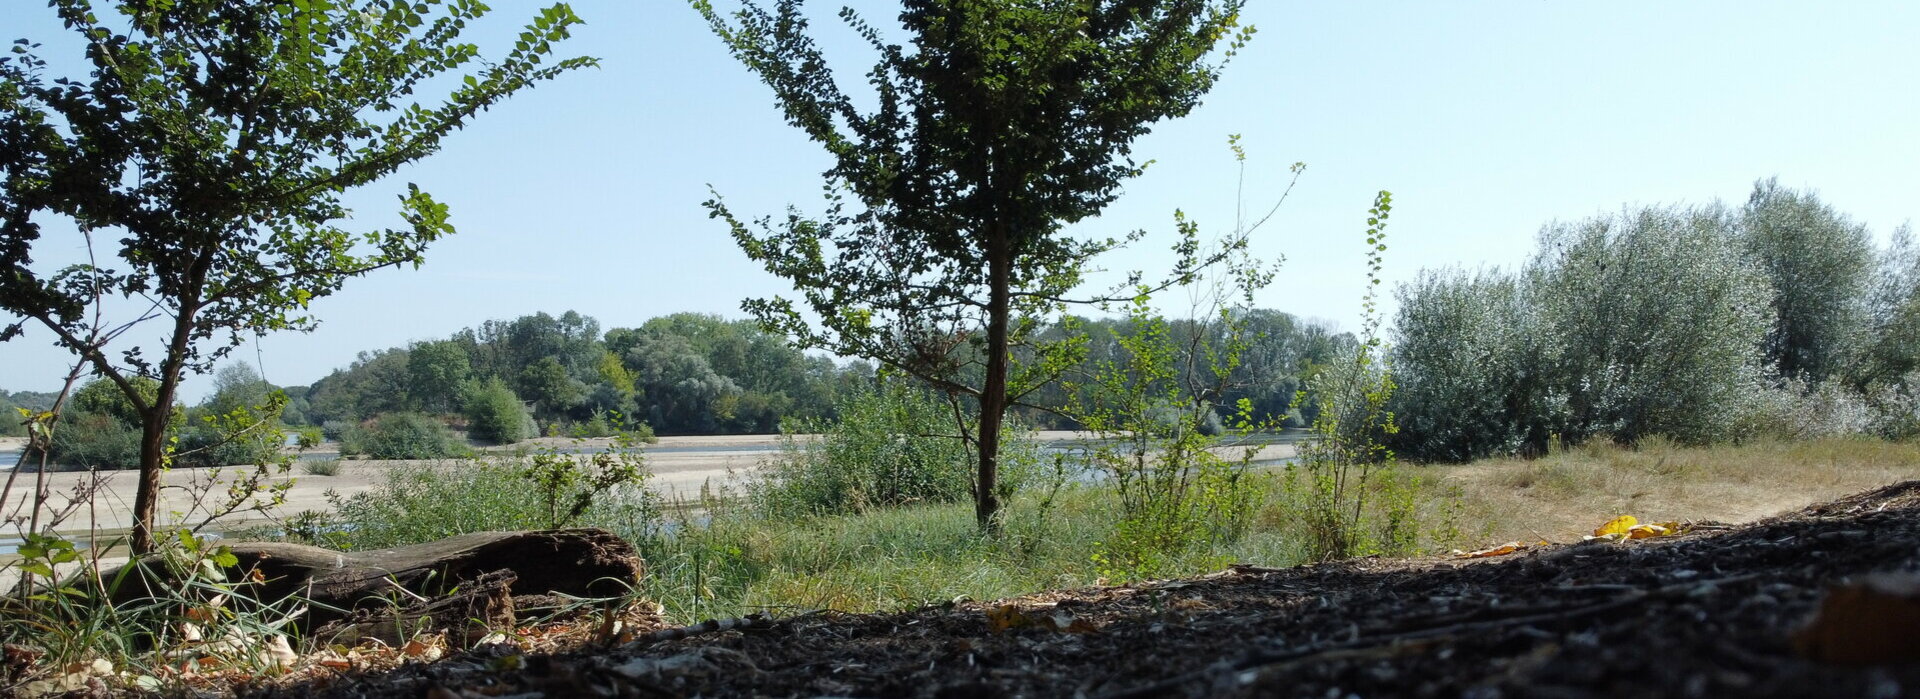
(1005, 617)
(1875, 621)
(277, 652)
(1618, 525)
(1500, 550)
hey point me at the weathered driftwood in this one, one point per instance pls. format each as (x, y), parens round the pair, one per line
(334, 584)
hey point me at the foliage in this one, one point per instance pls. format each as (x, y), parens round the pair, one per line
(999, 124)
(1892, 350)
(1819, 265)
(1153, 409)
(238, 424)
(87, 441)
(322, 467)
(100, 429)
(1347, 464)
(215, 141)
(402, 436)
(1646, 323)
(1473, 379)
(188, 609)
(435, 373)
(495, 414)
(427, 502)
(12, 424)
(567, 486)
(892, 446)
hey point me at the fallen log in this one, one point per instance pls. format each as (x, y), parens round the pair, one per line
(336, 584)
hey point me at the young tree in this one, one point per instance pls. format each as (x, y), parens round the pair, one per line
(1001, 123)
(214, 140)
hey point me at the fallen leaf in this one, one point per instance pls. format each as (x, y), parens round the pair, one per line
(1005, 617)
(1500, 550)
(277, 652)
(1618, 525)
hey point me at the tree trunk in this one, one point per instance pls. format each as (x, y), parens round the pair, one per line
(993, 395)
(338, 585)
(153, 452)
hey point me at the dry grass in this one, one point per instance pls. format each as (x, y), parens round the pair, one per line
(1562, 496)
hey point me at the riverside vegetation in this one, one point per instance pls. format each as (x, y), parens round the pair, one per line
(1660, 358)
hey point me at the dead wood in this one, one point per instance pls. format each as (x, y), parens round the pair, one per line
(467, 615)
(336, 584)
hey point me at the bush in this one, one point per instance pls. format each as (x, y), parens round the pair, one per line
(891, 447)
(403, 436)
(209, 446)
(428, 502)
(495, 414)
(84, 440)
(323, 467)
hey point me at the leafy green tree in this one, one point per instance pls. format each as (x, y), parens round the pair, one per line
(214, 140)
(1001, 122)
(376, 382)
(435, 371)
(1821, 266)
(551, 389)
(683, 394)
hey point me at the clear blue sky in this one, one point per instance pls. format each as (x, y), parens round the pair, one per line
(1486, 120)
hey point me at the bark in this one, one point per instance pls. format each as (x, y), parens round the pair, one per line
(993, 395)
(338, 585)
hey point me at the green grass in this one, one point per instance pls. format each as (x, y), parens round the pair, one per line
(732, 563)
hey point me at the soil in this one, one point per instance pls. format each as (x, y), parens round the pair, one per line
(1710, 612)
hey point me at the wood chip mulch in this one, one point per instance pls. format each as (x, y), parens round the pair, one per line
(1711, 612)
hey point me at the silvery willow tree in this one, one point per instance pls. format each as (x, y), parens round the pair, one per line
(214, 140)
(1001, 122)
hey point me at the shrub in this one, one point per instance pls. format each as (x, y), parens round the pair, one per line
(85, 440)
(893, 445)
(417, 503)
(495, 414)
(322, 467)
(402, 436)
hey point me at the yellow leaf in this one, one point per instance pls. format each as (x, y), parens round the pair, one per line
(1500, 550)
(1647, 531)
(1617, 525)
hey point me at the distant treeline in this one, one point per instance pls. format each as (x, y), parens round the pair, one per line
(1699, 325)
(691, 373)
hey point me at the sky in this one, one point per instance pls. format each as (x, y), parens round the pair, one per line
(1486, 120)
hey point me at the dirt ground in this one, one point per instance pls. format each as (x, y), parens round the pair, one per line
(1707, 613)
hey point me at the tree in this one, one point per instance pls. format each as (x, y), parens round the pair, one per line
(215, 139)
(547, 384)
(435, 371)
(1004, 121)
(1821, 266)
